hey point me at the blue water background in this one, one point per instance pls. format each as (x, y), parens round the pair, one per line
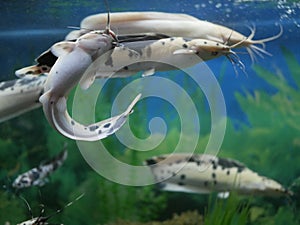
(30, 27)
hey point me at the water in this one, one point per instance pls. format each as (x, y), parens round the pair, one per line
(31, 28)
(264, 134)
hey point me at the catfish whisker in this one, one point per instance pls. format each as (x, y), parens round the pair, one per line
(235, 61)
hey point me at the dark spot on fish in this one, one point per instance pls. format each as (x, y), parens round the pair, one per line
(178, 161)
(150, 162)
(163, 43)
(180, 183)
(93, 127)
(228, 172)
(35, 175)
(72, 122)
(192, 159)
(109, 62)
(205, 183)
(205, 42)
(12, 88)
(217, 44)
(99, 131)
(149, 52)
(213, 175)
(184, 46)
(214, 167)
(85, 128)
(198, 163)
(186, 39)
(173, 174)
(172, 39)
(130, 54)
(21, 91)
(7, 84)
(215, 182)
(228, 163)
(182, 176)
(44, 68)
(125, 67)
(29, 72)
(107, 125)
(240, 170)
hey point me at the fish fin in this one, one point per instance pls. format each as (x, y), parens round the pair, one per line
(68, 127)
(30, 70)
(184, 52)
(223, 195)
(45, 98)
(149, 72)
(62, 48)
(87, 82)
(166, 186)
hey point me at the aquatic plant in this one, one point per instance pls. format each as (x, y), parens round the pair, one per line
(229, 211)
(186, 218)
(270, 143)
(272, 138)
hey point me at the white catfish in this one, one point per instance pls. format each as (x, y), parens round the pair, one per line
(174, 25)
(203, 173)
(73, 60)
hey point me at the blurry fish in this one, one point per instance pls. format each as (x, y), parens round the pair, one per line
(174, 25)
(42, 220)
(38, 175)
(20, 95)
(205, 173)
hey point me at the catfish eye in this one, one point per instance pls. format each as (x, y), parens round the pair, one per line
(214, 53)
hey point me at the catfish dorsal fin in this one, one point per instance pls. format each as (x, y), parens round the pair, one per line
(62, 48)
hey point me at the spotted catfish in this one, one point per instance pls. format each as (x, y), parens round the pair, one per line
(141, 53)
(20, 95)
(175, 25)
(159, 55)
(38, 176)
(205, 173)
(74, 58)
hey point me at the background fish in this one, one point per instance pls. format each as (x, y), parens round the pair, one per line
(38, 175)
(206, 173)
